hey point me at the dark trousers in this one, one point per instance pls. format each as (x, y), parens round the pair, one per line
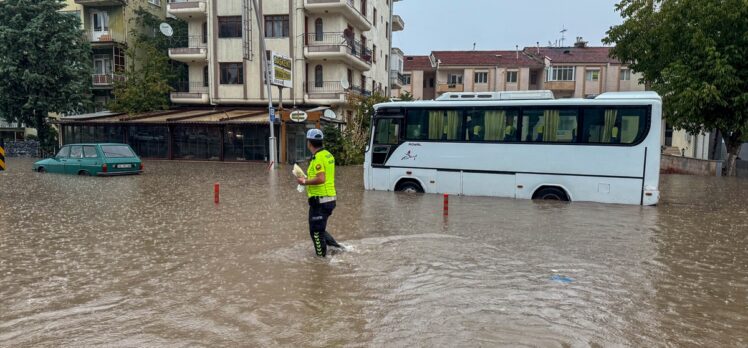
(318, 215)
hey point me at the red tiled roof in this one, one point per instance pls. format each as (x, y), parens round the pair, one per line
(486, 58)
(417, 63)
(574, 54)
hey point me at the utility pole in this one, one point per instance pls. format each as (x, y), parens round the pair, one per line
(266, 73)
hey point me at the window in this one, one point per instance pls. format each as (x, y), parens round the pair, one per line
(614, 126)
(205, 76)
(76, 152)
(593, 75)
(533, 77)
(434, 125)
(492, 125)
(155, 2)
(550, 125)
(90, 152)
(387, 30)
(481, 77)
(363, 7)
(387, 132)
(561, 73)
(318, 76)
(374, 53)
(276, 26)
(319, 33)
(232, 73)
(64, 152)
(374, 17)
(454, 79)
(406, 79)
(511, 77)
(205, 32)
(229, 27)
(625, 74)
(117, 151)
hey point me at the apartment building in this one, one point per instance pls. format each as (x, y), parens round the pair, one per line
(337, 47)
(397, 79)
(570, 72)
(107, 25)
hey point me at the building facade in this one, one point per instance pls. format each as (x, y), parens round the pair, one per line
(107, 25)
(570, 72)
(337, 47)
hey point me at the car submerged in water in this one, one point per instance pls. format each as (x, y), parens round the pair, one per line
(92, 159)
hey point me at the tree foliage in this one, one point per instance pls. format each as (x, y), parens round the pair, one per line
(358, 128)
(146, 84)
(146, 30)
(45, 63)
(692, 52)
(406, 96)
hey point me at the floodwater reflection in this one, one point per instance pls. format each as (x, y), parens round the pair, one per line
(150, 261)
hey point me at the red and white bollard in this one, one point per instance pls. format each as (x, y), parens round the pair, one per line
(446, 204)
(216, 193)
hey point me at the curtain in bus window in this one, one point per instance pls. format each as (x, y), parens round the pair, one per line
(629, 129)
(436, 125)
(453, 125)
(494, 122)
(551, 118)
(610, 122)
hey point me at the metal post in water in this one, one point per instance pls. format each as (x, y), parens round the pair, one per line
(446, 204)
(216, 193)
(266, 73)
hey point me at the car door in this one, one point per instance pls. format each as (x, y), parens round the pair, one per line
(57, 165)
(73, 163)
(90, 161)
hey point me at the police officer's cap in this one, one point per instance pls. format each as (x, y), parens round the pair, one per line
(314, 134)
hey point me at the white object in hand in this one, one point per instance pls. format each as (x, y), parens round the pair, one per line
(299, 174)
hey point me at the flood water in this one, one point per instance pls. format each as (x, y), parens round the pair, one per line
(150, 260)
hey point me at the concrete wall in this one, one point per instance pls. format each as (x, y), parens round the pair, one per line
(691, 166)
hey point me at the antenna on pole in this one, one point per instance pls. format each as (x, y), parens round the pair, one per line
(563, 35)
(473, 46)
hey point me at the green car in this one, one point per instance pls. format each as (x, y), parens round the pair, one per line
(92, 159)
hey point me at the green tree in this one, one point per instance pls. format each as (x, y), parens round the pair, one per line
(334, 142)
(693, 53)
(406, 96)
(45, 64)
(147, 31)
(357, 130)
(146, 84)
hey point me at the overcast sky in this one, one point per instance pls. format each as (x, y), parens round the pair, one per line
(432, 25)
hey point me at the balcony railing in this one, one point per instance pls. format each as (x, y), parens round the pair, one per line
(331, 42)
(105, 80)
(398, 77)
(333, 87)
(189, 87)
(106, 36)
(180, 4)
(194, 45)
(450, 87)
(354, 11)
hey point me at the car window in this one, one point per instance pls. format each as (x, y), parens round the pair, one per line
(64, 152)
(117, 151)
(90, 152)
(76, 152)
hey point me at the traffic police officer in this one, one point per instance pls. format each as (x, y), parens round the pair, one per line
(320, 182)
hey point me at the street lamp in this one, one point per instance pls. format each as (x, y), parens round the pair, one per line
(266, 72)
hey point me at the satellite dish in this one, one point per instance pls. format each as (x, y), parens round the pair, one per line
(166, 29)
(344, 83)
(329, 113)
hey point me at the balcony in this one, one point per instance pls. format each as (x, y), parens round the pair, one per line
(397, 23)
(336, 47)
(196, 51)
(190, 93)
(105, 81)
(449, 87)
(346, 8)
(332, 92)
(106, 37)
(560, 85)
(101, 2)
(398, 79)
(187, 9)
